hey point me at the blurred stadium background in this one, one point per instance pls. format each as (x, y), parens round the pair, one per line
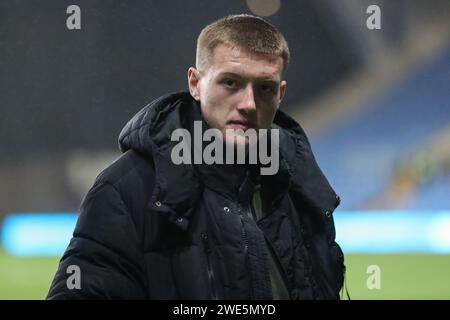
(375, 103)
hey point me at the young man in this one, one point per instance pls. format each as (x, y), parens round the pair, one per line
(154, 228)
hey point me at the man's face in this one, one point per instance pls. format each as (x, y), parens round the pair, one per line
(239, 89)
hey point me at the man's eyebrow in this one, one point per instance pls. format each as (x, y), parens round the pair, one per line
(230, 74)
(235, 75)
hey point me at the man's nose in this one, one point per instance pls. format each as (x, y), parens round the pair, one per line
(248, 103)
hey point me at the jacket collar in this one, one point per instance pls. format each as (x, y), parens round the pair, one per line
(177, 187)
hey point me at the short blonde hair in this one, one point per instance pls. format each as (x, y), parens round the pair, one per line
(245, 31)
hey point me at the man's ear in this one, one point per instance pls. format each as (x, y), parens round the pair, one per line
(283, 86)
(194, 83)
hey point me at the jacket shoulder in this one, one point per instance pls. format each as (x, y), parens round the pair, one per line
(132, 175)
(108, 236)
(126, 170)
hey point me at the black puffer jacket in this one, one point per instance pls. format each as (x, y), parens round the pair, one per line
(150, 229)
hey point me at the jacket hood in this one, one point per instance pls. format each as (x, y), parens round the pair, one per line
(149, 133)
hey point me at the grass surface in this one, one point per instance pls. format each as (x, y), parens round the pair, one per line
(25, 278)
(401, 277)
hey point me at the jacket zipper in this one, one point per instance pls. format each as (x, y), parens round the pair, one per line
(210, 271)
(244, 237)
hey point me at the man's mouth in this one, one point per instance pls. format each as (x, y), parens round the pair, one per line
(240, 124)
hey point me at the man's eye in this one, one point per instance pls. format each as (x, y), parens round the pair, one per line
(230, 83)
(268, 89)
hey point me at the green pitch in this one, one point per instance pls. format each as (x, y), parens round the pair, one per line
(401, 276)
(25, 278)
(407, 277)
